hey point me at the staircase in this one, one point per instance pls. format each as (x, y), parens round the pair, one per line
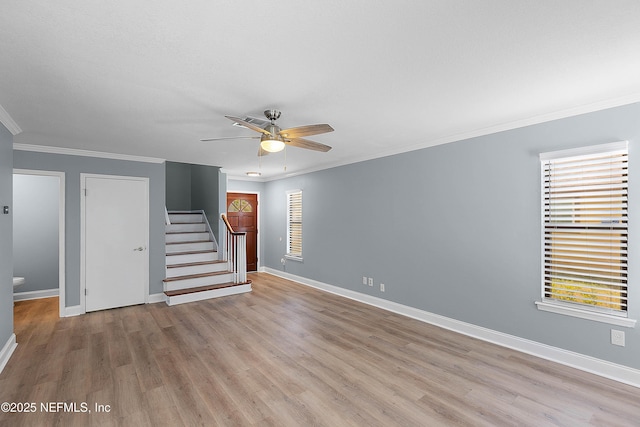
(195, 271)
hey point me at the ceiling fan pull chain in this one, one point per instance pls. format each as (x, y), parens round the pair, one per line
(285, 158)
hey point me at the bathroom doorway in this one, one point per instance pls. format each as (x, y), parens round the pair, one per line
(39, 235)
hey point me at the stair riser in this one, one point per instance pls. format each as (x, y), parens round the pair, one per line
(184, 259)
(179, 228)
(215, 293)
(196, 269)
(185, 218)
(198, 281)
(185, 237)
(188, 247)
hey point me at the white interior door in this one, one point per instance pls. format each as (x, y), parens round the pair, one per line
(116, 224)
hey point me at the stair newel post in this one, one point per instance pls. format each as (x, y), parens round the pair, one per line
(231, 253)
(234, 256)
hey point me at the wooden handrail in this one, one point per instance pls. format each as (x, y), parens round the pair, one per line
(229, 228)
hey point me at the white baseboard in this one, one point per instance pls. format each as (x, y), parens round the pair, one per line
(7, 351)
(155, 298)
(47, 293)
(603, 368)
(77, 310)
(74, 310)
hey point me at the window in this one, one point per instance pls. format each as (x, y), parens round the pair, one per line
(584, 197)
(294, 224)
(240, 205)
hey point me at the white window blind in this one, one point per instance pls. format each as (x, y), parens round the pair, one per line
(585, 228)
(294, 223)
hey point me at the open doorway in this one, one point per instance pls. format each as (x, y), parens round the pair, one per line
(39, 235)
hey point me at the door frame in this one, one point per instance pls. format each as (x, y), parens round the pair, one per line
(258, 225)
(83, 260)
(61, 231)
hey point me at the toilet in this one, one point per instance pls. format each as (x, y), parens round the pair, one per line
(17, 281)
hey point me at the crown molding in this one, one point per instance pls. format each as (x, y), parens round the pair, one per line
(543, 118)
(8, 122)
(85, 153)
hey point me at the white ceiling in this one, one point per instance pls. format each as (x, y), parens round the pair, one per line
(152, 78)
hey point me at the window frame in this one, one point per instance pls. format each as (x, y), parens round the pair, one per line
(296, 256)
(576, 309)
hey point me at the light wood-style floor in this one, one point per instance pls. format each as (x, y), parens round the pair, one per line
(287, 355)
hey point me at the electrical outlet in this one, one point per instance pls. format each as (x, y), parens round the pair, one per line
(364, 280)
(370, 281)
(617, 337)
(381, 287)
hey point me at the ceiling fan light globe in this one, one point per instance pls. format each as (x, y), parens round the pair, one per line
(272, 145)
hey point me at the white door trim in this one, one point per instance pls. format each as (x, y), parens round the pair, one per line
(61, 231)
(83, 276)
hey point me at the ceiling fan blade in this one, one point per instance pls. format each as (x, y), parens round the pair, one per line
(229, 137)
(254, 121)
(305, 131)
(249, 125)
(305, 143)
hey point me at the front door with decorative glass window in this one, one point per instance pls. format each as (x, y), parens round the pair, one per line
(242, 213)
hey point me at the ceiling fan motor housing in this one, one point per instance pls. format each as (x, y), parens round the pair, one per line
(272, 115)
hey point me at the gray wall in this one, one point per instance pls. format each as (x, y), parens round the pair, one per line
(204, 193)
(6, 236)
(194, 187)
(73, 166)
(35, 231)
(222, 201)
(178, 186)
(455, 230)
(242, 186)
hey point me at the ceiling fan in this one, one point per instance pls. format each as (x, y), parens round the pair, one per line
(273, 138)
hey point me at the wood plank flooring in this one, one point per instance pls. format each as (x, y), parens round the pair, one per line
(287, 355)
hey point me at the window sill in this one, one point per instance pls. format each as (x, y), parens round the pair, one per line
(585, 314)
(294, 258)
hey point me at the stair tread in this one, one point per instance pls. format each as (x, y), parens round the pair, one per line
(178, 222)
(193, 264)
(204, 288)
(185, 232)
(190, 252)
(196, 276)
(189, 242)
